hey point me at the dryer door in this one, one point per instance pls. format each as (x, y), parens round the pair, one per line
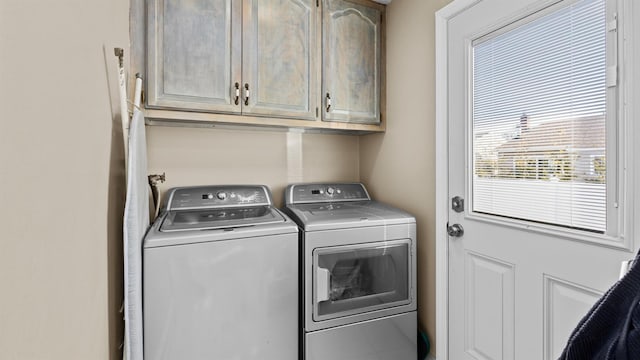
(355, 279)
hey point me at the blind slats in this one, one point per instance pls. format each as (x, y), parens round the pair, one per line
(539, 103)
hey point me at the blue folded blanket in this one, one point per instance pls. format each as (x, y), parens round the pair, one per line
(611, 329)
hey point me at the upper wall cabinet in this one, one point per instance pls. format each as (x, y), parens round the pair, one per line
(352, 56)
(260, 62)
(254, 57)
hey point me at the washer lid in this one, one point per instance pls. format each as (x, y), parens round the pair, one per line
(217, 218)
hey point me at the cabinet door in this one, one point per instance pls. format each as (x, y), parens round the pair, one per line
(194, 54)
(351, 61)
(279, 58)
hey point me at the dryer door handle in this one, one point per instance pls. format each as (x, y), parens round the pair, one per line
(323, 279)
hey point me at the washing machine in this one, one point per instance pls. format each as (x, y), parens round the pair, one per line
(358, 274)
(220, 277)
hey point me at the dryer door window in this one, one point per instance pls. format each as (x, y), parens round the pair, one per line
(354, 279)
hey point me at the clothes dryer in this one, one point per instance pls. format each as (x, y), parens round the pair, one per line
(220, 277)
(358, 274)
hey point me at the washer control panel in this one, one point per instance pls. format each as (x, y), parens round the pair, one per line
(219, 196)
(313, 193)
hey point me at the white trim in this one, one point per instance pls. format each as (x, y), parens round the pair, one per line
(629, 80)
(613, 242)
(442, 174)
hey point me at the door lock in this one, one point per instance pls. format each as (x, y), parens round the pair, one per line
(455, 230)
(457, 204)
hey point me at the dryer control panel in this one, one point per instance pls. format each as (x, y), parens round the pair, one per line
(325, 192)
(219, 196)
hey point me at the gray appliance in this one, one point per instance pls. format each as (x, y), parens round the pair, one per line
(358, 274)
(220, 277)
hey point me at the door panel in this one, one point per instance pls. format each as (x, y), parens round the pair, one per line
(193, 54)
(360, 278)
(352, 37)
(391, 337)
(516, 287)
(334, 239)
(565, 304)
(279, 51)
(490, 292)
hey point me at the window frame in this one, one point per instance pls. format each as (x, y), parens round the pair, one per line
(617, 139)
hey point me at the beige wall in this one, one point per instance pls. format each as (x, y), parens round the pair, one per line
(60, 179)
(399, 166)
(199, 156)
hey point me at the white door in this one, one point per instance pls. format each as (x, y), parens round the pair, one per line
(537, 143)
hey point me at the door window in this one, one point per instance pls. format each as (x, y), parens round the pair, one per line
(359, 278)
(540, 118)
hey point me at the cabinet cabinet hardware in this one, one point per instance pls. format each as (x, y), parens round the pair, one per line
(246, 93)
(328, 102)
(236, 99)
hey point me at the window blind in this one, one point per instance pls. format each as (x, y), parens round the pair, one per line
(539, 106)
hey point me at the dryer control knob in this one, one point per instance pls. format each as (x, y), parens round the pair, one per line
(330, 190)
(222, 195)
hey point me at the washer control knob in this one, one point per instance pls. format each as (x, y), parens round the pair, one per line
(221, 195)
(330, 190)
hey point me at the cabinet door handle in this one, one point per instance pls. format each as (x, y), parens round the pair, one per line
(246, 93)
(236, 99)
(328, 98)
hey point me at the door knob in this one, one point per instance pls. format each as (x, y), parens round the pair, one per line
(455, 230)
